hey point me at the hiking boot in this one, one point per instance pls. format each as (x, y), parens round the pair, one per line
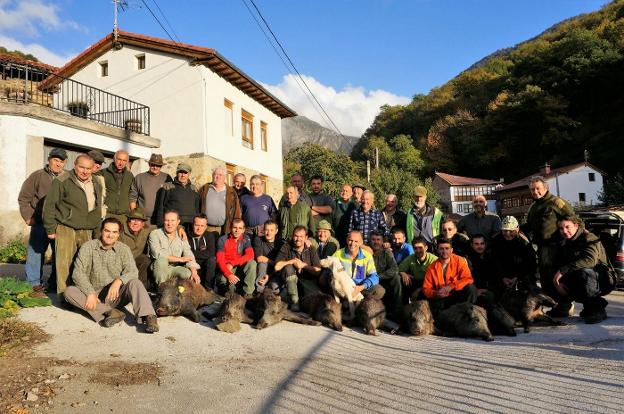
(596, 316)
(38, 292)
(113, 317)
(294, 307)
(561, 310)
(151, 324)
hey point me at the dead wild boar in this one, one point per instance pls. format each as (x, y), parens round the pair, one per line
(269, 310)
(323, 308)
(526, 306)
(464, 320)
(417, 318)
(500, 321)
(179, 296)
(231, 314)
(370, 314)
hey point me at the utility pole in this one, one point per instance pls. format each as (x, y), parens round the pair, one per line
(118, 4)
(368, 171)
(376, 158)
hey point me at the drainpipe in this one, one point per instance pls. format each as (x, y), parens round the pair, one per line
(204, 117)
(557, 183)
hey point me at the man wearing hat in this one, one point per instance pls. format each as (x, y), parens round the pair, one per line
(358, 192)
(180, 196)
(145, 186)
(423, 219)
(136, 230)
(30, 199)
(515, 261)
(324, 242)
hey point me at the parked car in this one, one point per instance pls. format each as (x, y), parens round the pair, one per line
(608, 224)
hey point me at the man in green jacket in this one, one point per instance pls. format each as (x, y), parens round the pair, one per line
(295, 213)
(72, 210)
(583, 270)
(542, 225)
(423, 219)
(118, 182)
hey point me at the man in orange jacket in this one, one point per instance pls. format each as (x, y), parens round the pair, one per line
(448, 280)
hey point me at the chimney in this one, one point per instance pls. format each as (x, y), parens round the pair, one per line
(545, 170)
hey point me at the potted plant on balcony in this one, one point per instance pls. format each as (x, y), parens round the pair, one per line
(78, 108)
(134, 125)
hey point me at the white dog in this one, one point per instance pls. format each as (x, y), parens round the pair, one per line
(342, 285)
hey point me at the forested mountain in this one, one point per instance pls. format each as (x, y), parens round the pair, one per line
(545, 100)
(298, 130)
(4, 50)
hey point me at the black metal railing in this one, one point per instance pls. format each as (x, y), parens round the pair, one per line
(28, 84)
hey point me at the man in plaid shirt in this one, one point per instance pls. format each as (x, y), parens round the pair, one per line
(366, 219)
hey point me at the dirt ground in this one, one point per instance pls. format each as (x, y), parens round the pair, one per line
(189, 367)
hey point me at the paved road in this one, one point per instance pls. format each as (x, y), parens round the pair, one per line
(292, 368)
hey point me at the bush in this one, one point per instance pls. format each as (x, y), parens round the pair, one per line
(13, 252)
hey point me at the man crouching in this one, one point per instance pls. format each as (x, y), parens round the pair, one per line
(106, 278)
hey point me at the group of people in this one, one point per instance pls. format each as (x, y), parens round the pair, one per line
(116, 236)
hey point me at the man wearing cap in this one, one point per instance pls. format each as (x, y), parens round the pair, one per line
(145, 186)
(367, 219)
(30, 199)
(343, 207)
(71, 211)
(358, 192)
(96, 174)
(423, 219)
(257, 208)
(322, 204)
(136, 231)
(515, 261)
(171, 255)
(180, 196)
(219, 202)
(118, 181)
(480, 221)
(324, 243)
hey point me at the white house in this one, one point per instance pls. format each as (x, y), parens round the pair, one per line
(456, 192)
(580, 184)
(204, 109)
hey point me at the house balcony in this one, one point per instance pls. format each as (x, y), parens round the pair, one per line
(26, 84)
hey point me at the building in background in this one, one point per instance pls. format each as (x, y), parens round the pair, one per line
(456, 192)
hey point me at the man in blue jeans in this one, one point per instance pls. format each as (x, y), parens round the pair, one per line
(30, 199)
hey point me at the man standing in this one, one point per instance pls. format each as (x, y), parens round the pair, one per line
(583, 273)
(294, 213)
(31, 198)
(412, 269)
(118, 181)
(461, 242)
(480, 221)
(71, 211)
(236, 267)
(448, 280)
(257, 208)
(297, 262)
(393, 216)
(238, 182)
(135, 234)
(541, 223)
(400, 248)
(341, 214)
(180, 196)
(298, 182)
(366, 219)
(266, 249)
(204, 247)
(96, 174)
(171, 255)
(423, 219)
(322, 204)
(358, 263)
(105, 279)
(482, 269)
(146, 185)
(358, 192)
(219, 202)
(388, 273)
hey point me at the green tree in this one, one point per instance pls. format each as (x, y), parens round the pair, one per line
(613, 190)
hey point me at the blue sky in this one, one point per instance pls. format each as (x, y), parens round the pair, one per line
(356, 54)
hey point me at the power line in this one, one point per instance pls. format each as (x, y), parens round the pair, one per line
(295, 68)
(262, 29)
(158, 21)
(167, 21)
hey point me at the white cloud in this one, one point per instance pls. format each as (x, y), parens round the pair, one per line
(353, 109)
(40, 52)
(28, 16)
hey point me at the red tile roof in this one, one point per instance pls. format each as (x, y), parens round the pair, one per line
(524, 182)
(5, 57)
(196, 54)
(459, 180)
